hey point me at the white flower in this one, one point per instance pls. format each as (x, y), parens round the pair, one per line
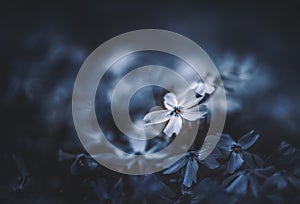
(201, 88)
(187, 108)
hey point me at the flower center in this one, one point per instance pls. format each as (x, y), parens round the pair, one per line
(236, 148)
(177, 110)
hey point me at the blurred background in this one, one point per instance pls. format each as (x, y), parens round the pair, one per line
(43, 44)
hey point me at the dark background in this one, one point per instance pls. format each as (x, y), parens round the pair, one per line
(43, 45)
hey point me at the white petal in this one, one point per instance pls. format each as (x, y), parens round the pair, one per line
(194, 113)
(170, 101)
(199, 88)
(189, 100)
(174, 126)
(210, 89)
(202, 88)
(155, 117)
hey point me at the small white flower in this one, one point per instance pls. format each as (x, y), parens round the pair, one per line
(202, 88)
(187, 108)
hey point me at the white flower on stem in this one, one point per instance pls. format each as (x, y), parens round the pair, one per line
(187, 108)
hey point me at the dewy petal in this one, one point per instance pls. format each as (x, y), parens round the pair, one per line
(155, 117)
(170, 101)
(194, 113)
(235, 162)
(248, 139)
(173, 126)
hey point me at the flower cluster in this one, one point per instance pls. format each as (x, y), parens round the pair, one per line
(46, 164)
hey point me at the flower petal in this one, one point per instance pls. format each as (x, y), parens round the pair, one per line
(190, 173)
(170, 100)
(177, 166)
(254, 186)
(189, 100)
(239, 185)
(248, 139)
(211, 163)
(225, 142)
(195, 113)
(173, 126)
(208, 146)
(235, 162)
(228, 181)
(155, 117)
(202, 88)
(252, 160)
